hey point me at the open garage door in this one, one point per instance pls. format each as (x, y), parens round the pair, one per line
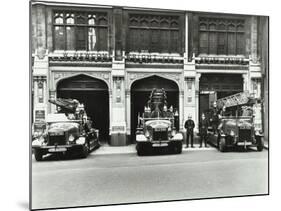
(140, 92)
(216, 86)
(93, 93)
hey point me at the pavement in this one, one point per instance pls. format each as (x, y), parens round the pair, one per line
(128, 178)
(107, 149)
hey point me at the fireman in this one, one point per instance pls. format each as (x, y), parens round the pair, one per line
(189, 126)
(85, 124)
(215, 117)
(203, 128)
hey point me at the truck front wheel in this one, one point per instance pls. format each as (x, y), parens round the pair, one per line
(140, 149)
(175, 148)
(38, 155)
(178, 148)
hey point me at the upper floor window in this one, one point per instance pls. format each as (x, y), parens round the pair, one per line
(80, 31)
(221, 36)
(154, 33)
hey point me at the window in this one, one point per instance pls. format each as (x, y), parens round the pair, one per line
(154, 33)
(221, 36)
(80, 31)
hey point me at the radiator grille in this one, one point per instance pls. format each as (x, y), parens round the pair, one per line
(58, 140)
(244, 134)
(160, 135)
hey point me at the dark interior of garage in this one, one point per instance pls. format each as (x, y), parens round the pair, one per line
(216, 86)
(93, 93)
(140, 92)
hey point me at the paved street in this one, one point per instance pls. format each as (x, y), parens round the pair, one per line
(124, 178)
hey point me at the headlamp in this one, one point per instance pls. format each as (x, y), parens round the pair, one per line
(146, 134)
(71, 138)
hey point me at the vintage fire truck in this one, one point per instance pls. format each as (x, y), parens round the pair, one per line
(156, 126)
(67, 132)
(239, 124)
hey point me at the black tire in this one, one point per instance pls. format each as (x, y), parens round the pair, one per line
(177, 148)
(38, 155)
(140, 149)
(260, 144)
(218, 140)
(222, 144)
(85, 151)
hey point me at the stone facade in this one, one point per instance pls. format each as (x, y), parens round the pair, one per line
(118, 69)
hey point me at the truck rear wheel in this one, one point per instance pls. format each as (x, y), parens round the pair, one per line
(260, 143)
(222, 144)
(38, 155)
(85, 151)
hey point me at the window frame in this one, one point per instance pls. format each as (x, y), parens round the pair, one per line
(151, 30)
(226, 21)
(100, 16)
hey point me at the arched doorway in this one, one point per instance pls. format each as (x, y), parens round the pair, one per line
(140, 92)
(93, 93)
(215, 86)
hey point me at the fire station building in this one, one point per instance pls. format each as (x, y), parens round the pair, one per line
(110, 58)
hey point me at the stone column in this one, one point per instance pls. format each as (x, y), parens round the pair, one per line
(52, 107)
(35, 95)
(118, 121)
(254, 40)
(189, 98)
(128, 113)
(181, 110)
(39, 107)
(186, 35)
(197, 92)
(110, 111)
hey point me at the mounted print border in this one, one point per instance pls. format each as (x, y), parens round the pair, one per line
(134, 105)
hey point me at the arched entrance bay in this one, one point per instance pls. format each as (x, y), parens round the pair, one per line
(215, 86)
(93, 93)
(140, 92)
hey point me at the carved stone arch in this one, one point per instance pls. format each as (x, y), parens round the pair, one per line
(105, 77)
(102, 20)
(212, 26)
(133, 77)
(154, 22)
(231, 26)
(144, 22)
(164, 22)
(203, 26)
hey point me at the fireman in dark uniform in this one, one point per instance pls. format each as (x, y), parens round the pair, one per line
(189, 126)
(85, 124)
(203, 128)
(215, 117)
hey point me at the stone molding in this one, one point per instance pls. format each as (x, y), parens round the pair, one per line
(132, 77)
(60, 75)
